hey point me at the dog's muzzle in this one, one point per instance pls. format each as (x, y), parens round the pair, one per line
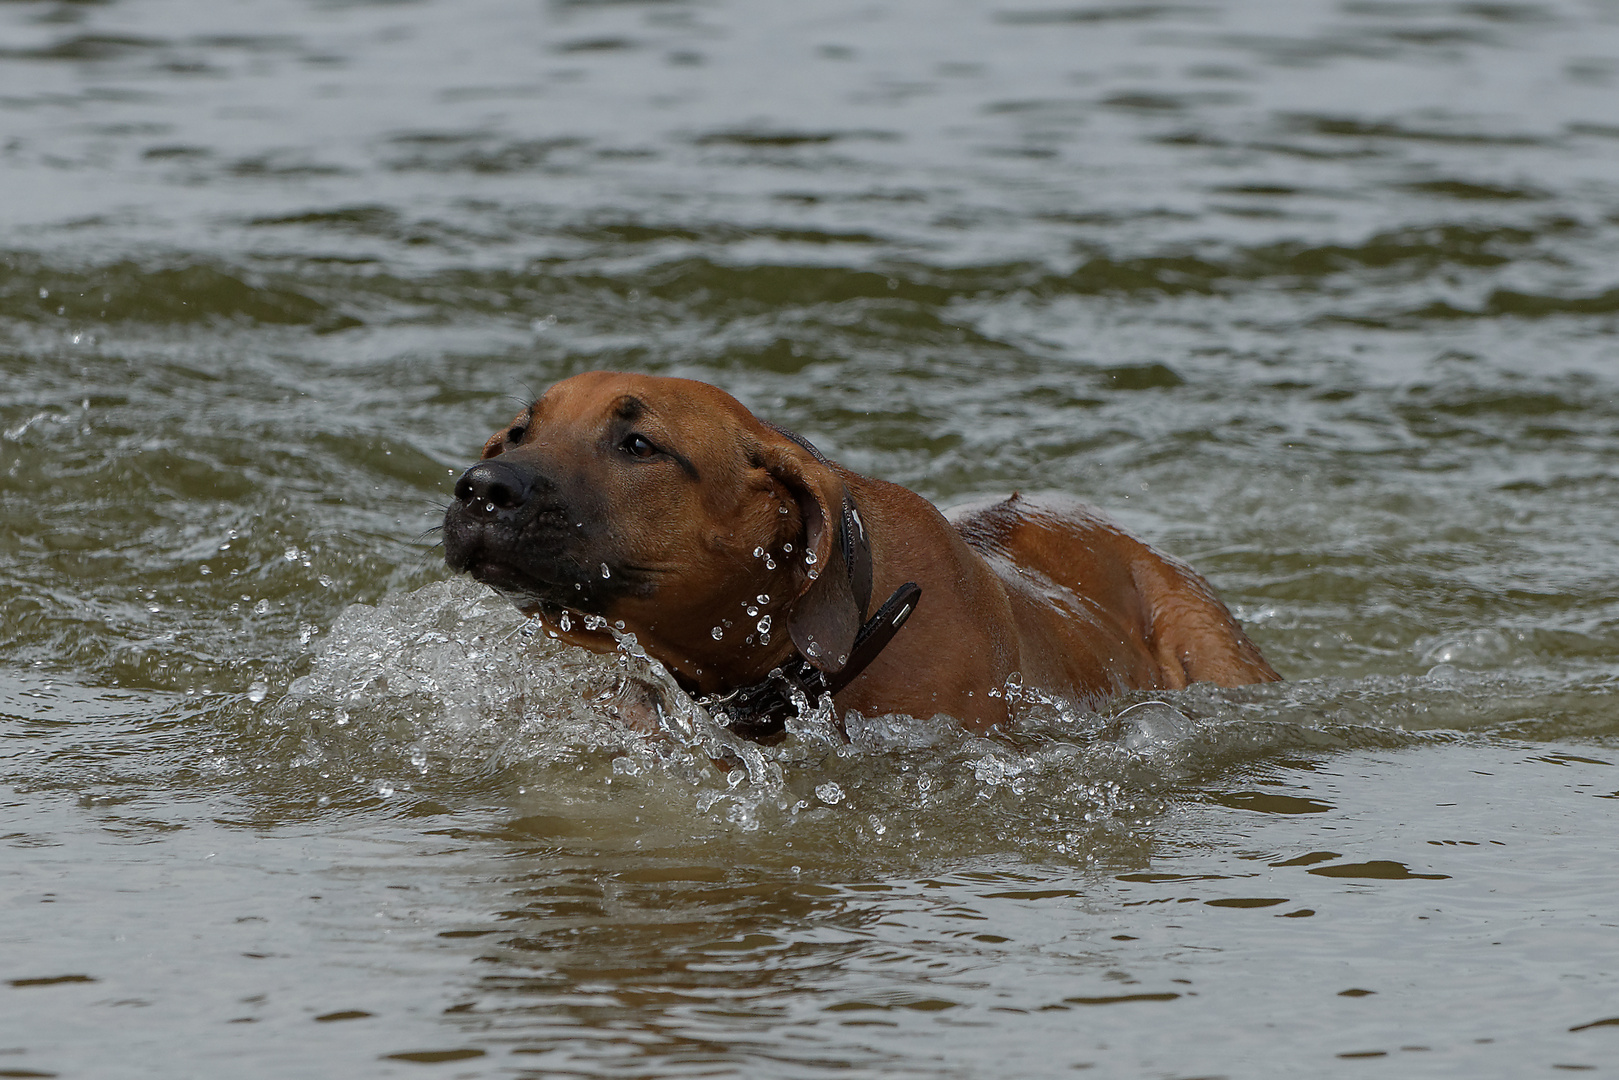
(495, 491)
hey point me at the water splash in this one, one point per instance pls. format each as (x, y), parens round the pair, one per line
(449, 689)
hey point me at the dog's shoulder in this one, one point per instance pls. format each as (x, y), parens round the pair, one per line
(1001, 525)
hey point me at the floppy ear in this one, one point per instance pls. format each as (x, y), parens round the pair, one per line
(825, 618)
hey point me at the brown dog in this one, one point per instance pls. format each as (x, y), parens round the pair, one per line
(748, 565)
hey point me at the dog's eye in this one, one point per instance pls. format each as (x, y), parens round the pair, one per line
(637, 445)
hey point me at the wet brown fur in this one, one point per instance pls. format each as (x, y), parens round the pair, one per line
(1039, 589)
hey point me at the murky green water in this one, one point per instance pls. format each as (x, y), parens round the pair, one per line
(1318, 296)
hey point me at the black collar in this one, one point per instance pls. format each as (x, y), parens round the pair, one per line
(762, 709)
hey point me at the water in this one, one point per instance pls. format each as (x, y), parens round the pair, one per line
(1317, 296)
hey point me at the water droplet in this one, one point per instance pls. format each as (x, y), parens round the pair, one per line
(786, 547)
(619, 624)
(489, 508)
(385, 789)
(758, 552)
(262, 607)
(813, 574)
(716, 633)
(256, 692)
(770, 564)
(764, 639)
(752, 611)
(606, 573)
(829, 793)
(565, 623)
(763, 598)
(764, 625)
(809, 558)
(781, 509)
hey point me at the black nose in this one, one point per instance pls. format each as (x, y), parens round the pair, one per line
(495, 487)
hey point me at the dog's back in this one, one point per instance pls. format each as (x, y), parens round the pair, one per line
(1099, 611)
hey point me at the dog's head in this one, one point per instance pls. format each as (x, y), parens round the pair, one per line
(667, 509)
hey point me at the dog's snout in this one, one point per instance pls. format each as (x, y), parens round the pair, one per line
(495, 487)
(513, 526)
